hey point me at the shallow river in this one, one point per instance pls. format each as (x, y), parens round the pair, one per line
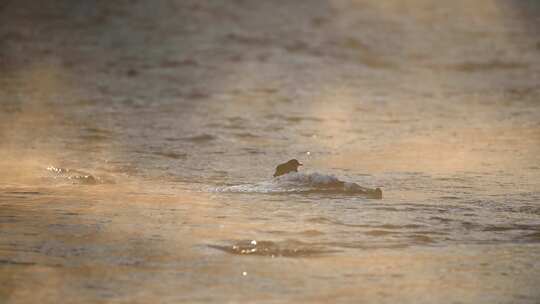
(138, 142)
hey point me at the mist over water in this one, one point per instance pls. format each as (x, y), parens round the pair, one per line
(138, 142)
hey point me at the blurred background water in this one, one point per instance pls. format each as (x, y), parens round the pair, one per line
(138, 142)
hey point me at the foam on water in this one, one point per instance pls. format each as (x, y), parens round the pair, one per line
(296, 182)
(74, 176)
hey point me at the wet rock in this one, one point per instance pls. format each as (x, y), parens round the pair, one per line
(83, 179)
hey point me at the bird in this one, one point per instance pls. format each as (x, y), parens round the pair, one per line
(290, 166)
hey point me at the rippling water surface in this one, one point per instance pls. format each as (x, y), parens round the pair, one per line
(138, 142)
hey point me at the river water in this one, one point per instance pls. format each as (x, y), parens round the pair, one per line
(138, 142)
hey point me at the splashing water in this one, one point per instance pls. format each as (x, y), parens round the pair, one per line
(297, 182)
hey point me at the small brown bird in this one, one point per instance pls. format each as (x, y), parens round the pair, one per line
(290, 166)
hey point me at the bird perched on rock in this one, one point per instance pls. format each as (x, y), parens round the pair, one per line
(290, 166)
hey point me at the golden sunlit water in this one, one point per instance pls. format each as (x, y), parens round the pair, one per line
(138, 140)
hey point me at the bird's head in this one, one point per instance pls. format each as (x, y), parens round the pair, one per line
(294, 162)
